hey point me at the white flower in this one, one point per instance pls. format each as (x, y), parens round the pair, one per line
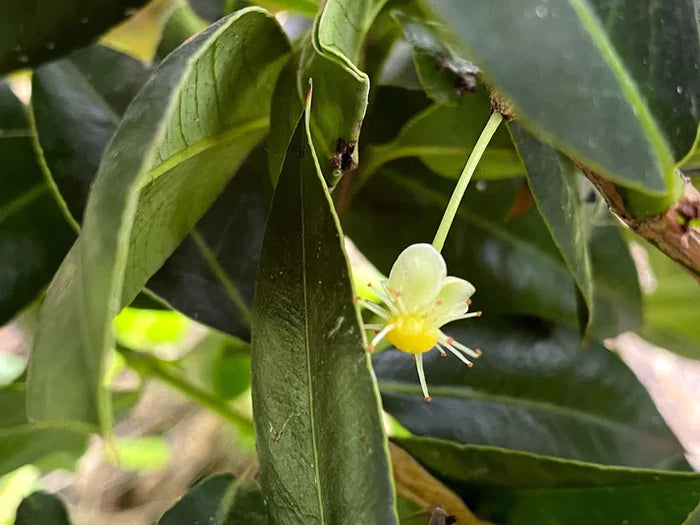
(419, 298)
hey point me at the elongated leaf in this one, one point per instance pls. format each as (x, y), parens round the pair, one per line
(443, 136)
(514, 264)
(329, 59)
(23, 442)
(553, 180)
(149, 192)
(671, 302)
(219, 500)
(33, 234)
(516, 488)
(34, 31)
(323, 454)
(210, 276)
(693, 517)
(41, 507)
(534, 389)
(579, 71)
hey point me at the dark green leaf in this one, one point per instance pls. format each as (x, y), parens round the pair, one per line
(22, 442)
(43, 508)
(513, 263)
(516, 488)
(443, 136)
(34, 236)
(554, 182)
(34, 31)
(77, 103)
(204, 108)
(579, 72)
(534, 389)
(323, 454)
(219, 500)
(671, 302)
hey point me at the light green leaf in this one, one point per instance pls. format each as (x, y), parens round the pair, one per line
(323, 454)
(554, 183)
(176, 148)
(535, 389)
(517, 488)
(34, 31)
(443, 136)
(23, 442)
(580, 71)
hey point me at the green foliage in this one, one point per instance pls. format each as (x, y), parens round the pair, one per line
(191, 186)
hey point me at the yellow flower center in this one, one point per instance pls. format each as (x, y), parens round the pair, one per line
(412, 333)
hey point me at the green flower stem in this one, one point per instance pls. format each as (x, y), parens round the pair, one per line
(473, 160)
(150, 366)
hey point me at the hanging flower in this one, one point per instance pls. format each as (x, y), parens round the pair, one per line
(418, 299)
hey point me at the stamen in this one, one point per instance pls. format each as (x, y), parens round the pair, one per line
(377, 338)
(421, 376)
(469, 302)
(439, 349)
(451, 344)
(467, 316)
(459, 355)
(396, 295)
(371, 326)
(374, 307)
(385, 298)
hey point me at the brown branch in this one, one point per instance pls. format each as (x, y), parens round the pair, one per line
(671, 232)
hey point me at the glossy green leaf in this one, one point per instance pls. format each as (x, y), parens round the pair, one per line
(76, 105)
(323, 454)
(578, 72)
(33, 235)
(554, 182)
(41, 507)
(671, 302)
(210, 276)
(516, 488)
(444, 75)
(514, 264)
(205, 108)
(23, 442)
(534, 389)
(328, 58)
(443, 136)
(35, 31)
(219, 500)
(693, 517)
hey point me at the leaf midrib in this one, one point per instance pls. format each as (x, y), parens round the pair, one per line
(537, 405)
(307, 349)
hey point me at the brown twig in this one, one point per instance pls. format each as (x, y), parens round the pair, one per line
(671, 232)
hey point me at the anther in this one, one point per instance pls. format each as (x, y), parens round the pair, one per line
(470, 364)
(478, 351)
(478, 314)
(438, 302)
(450, 340)
(357, 298)
(413, 357)
(469, 301)
(427, 399)
(370, 348)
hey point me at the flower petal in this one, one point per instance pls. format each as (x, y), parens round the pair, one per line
(417, 275)
(452, 301)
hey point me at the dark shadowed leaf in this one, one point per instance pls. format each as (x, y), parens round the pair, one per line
(513, 263)
(578, 72)
(197, 118)
(23, 442)
(34, 31)
(77, 103)
(43, 508)
(323, 454)
(554, 182)
(517, 488)
(671, 302)
(219, 500)
(34, 236)
(534, 389)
